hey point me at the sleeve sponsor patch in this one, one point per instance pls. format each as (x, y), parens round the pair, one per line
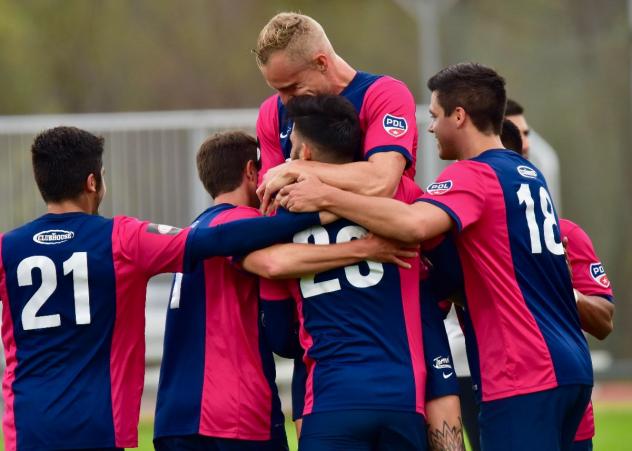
(598, 273)
(439, 188)
(394, 125)
(162, 229)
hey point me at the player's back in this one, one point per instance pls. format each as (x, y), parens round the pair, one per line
(223, 385)
(361, 329)
(73, 288)
(58, 288)
(519, 294)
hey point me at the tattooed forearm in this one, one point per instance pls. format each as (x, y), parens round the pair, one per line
(450, 438)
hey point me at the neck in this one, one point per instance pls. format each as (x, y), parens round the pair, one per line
(237, 197)
(479, 143)
(80, 205)
(341, 74)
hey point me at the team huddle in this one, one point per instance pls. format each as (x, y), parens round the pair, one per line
(321, 248)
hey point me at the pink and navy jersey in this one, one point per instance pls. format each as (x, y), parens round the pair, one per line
(527, 335)
(73, 288)
(217, 374)
(361, 330)
(386, 109)
(589, 278)
(589, 275)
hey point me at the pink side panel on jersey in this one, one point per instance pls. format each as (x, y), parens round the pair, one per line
(8, 422)
(307, 342)
(514, 358)
(408, 192)
(581, 254)
(137, 255)
(409, 282)
(389, 96)
(236, 396)
(268, 134)
(586, 429)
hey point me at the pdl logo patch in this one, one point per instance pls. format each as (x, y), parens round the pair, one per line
(439, 188)
(53, 236)
(598, 273)
(395, 126)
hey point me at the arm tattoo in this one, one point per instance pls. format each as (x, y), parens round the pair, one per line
(448, 439)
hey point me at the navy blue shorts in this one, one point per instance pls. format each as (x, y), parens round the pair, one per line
(363, 430)
(583, 445)
(203, 443)
(542, 421)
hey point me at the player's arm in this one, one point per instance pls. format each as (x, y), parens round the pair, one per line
(445, 428)
(245, 235)
(379, 176)
(286, 261)
(593, 291)
(387, 217)
(595, 314)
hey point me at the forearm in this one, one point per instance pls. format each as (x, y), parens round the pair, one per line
(383, 216)
(361, 177)
(245, 235)
(445, 428)
(595, 315)
(289, 261)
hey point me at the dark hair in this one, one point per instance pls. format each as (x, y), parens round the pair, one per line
(513, 108)
(222, 159)
(63, 158)
(330, 123)
(510, 136)
(479, 90)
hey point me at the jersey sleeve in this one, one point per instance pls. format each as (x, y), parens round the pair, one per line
(589, 275)
(152, 248)
(460, 192)
(389, 112)
(268, 135)
(278, 318)
(441, 380)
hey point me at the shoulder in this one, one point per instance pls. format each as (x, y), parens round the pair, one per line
(389, 87)
(568, 227)
(269, 106)
(235, 214)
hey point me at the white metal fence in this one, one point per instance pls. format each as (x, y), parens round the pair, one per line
(150, 173)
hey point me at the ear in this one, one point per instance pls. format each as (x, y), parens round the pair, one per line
(305, 152)
(321, 62)
(250, 172)
(91, 185)
(459, 115)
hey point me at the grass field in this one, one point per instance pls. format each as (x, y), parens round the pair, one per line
(613, 424)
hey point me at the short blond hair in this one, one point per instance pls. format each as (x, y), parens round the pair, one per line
(298, 34)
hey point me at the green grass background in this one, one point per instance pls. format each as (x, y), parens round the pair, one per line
(613, 423)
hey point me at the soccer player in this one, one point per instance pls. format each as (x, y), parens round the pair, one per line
(220, 394)
(295, 58)
(519, 293)
(73, 287)
(360, 324)
(593, 293)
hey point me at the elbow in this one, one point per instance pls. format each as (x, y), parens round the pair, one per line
(604, 330)
(273, 269)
